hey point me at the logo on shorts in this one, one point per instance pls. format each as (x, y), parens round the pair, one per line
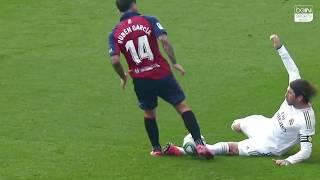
(303, 13)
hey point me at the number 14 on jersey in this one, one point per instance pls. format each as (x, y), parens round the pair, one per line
(144, 50)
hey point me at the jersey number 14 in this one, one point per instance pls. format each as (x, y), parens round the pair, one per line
(144, 50)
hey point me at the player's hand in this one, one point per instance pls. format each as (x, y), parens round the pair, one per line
(123, 81)
(281, 162)
(179, 68)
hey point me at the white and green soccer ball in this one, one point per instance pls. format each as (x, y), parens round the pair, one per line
(189, 146)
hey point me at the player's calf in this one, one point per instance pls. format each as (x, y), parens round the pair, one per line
(224, 148)
(233, 149)
(203, 151)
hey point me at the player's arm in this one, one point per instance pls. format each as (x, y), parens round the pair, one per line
(303, 154)
(306, 134)
(114, 53)
(161, 35)
(115, 61)
(168, 48)
(170, 52)
(305, 151)
(288, 62)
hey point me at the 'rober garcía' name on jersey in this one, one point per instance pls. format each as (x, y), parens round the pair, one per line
(131, 29)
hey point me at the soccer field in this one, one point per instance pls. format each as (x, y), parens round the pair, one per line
(63, 114)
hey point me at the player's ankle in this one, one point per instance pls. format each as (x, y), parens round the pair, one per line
(199, 141)
(156, 148)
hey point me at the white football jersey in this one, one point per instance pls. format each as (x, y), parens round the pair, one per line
(290, 126)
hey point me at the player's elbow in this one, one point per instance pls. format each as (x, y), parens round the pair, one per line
(164, 40)
(114, 63)
(115, 60)
(294, 74)
(308, 153)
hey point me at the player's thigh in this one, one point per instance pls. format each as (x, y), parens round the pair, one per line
(254, 125)
(146, 93)
(170, 90)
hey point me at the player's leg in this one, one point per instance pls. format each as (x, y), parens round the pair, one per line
(224, 148)
(247, 147)
(147, 98)
(251, 126)
(171, 92)
(190, 121)
(151, 127)
(231, 148)
(235, 126)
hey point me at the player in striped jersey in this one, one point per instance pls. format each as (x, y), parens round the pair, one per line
(136, 37)
(294, 122)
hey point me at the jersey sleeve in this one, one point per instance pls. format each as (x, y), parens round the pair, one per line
(113, 46)
(289, 64)
(308, 127)
(306, 131)
(303, 154)
(156, 26)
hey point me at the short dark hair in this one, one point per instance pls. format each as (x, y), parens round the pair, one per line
(303, 88)
(124, 5)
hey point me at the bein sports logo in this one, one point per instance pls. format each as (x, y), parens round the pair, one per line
(303, 13)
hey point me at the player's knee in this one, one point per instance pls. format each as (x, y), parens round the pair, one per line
(182, 107)
(233, 149)
(150, 114)
(235, 126)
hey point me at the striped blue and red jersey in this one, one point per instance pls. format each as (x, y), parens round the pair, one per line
(136, 38)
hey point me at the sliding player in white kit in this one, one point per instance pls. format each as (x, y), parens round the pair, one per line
(294, 122)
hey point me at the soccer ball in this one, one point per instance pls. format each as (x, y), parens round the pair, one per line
(189, 146)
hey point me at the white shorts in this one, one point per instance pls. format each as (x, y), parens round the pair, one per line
(256, 128)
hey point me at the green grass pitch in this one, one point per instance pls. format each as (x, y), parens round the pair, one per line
(63, 114)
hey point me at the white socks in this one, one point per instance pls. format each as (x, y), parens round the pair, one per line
(219, 148)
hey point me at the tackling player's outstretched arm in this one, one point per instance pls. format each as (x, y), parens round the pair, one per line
(288, 62)
(170, 52)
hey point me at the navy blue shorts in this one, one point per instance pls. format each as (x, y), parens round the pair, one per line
(148, 90)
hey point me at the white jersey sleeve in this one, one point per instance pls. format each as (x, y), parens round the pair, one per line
(307, 130)
(289, 64)
(303, 154)
(308, 127)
